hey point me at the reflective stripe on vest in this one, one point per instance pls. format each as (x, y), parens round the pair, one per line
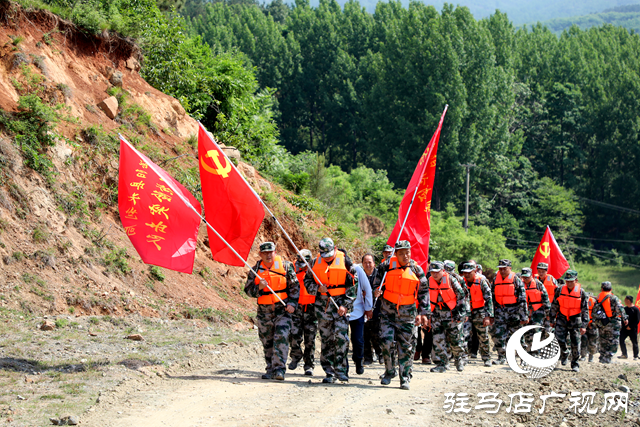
(305, 297)
(401, 284)
(549, 286)
(276, 277)
(442, 289)
(332, 276)
(606, 304)
(477, 299)
(591, 302)
(504, 290)
(534, 295)
(570, 302)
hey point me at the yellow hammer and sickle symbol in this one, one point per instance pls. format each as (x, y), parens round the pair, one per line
(219, 170)
(545, 250)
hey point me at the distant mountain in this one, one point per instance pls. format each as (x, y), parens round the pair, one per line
(623, 16)
(519, 11)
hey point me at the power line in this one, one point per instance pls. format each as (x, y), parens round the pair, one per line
(609, 206)
(576, 237)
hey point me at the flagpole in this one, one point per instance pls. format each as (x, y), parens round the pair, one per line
(393, 251)
(188, 203)
(272, 216)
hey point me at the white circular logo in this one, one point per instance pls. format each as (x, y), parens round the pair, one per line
(537, 366)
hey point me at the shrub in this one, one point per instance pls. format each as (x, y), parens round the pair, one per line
(156, 273)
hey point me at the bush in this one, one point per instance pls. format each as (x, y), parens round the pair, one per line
(156, 273)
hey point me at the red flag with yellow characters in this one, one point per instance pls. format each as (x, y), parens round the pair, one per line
(155, 213)
(230, 205)
(549, 252)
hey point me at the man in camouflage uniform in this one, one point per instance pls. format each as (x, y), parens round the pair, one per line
(448, 310)
(566, 299)
(538, 309)
(589, 341)
(398, 319)
(304, 322)
(274, 318)
(387, 251)
(467, 327)
(333, 325)
(550, 284)
(609, 328)
(510, 308)
(480, 316)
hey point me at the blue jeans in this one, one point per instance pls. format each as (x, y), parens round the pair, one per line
(357, 339)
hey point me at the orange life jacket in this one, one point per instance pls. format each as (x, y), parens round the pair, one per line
(607, 304)
(549, 286)
(444, 290)
(477, 299)
(505, 291)
(332, 276)
(534, 296)
(305, 297)
(570, 302)
(591, 302)
(400, 284)
(276, 277)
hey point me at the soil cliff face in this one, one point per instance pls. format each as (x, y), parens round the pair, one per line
(62, 246)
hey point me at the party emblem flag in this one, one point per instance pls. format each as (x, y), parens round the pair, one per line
(155, 213)
(230, 205)
(549, 252)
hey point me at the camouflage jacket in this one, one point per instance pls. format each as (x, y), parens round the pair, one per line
(521, 297)
(293, 287)
(345, 300)
(577, 321)
(546, 302)
(487, 310)
(461, 310)
(424, 307)
(617, 309)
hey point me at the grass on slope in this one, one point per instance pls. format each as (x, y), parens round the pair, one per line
(625, 280)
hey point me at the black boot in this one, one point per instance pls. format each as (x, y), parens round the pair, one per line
(359, 367)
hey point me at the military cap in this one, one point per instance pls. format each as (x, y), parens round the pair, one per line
(479, 266)
(267, 247)
(504, 263)
(436, 266)
(468, 267)
(449, 266)
(570, 275)
(606, 286)
(327, 247)
(542, 266)
(403, 244)
(306, 253)
(387, 248)
(526, 272)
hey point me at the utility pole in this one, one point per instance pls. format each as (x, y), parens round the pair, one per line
(466, 209)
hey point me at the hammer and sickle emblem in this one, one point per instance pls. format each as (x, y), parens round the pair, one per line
(223, 171)
(545, 250)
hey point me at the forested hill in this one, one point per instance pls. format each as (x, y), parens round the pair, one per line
(623, 16)
(519, 11)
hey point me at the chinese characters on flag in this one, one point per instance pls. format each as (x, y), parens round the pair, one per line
(548, 251)
(160, 225)
(417, 228)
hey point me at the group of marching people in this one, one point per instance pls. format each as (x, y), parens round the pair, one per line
(405, 308)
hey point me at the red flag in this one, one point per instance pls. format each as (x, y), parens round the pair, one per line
(154, 212)
(417, 204)
(548, 251)
(230, 205)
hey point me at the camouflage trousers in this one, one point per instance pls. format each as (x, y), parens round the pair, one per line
(566, 327)
(398, 333)
(537, 318)
(303, 329)
(446, 333)
(609, 338)
(334, 338)
(274, 326)
(483, 334)
(507, 321)
(467, 331)
(589, 341)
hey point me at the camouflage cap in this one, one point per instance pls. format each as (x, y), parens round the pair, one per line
(387, 248)
(468, 267)
(436, 266)
(403, 244)
(526, 272)
(542, 266)
(504, 263)
(479, 267)
(267, 247)
(327, 248)
(449, 266)
(570, 275)
(606, 286)
(306, 253)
